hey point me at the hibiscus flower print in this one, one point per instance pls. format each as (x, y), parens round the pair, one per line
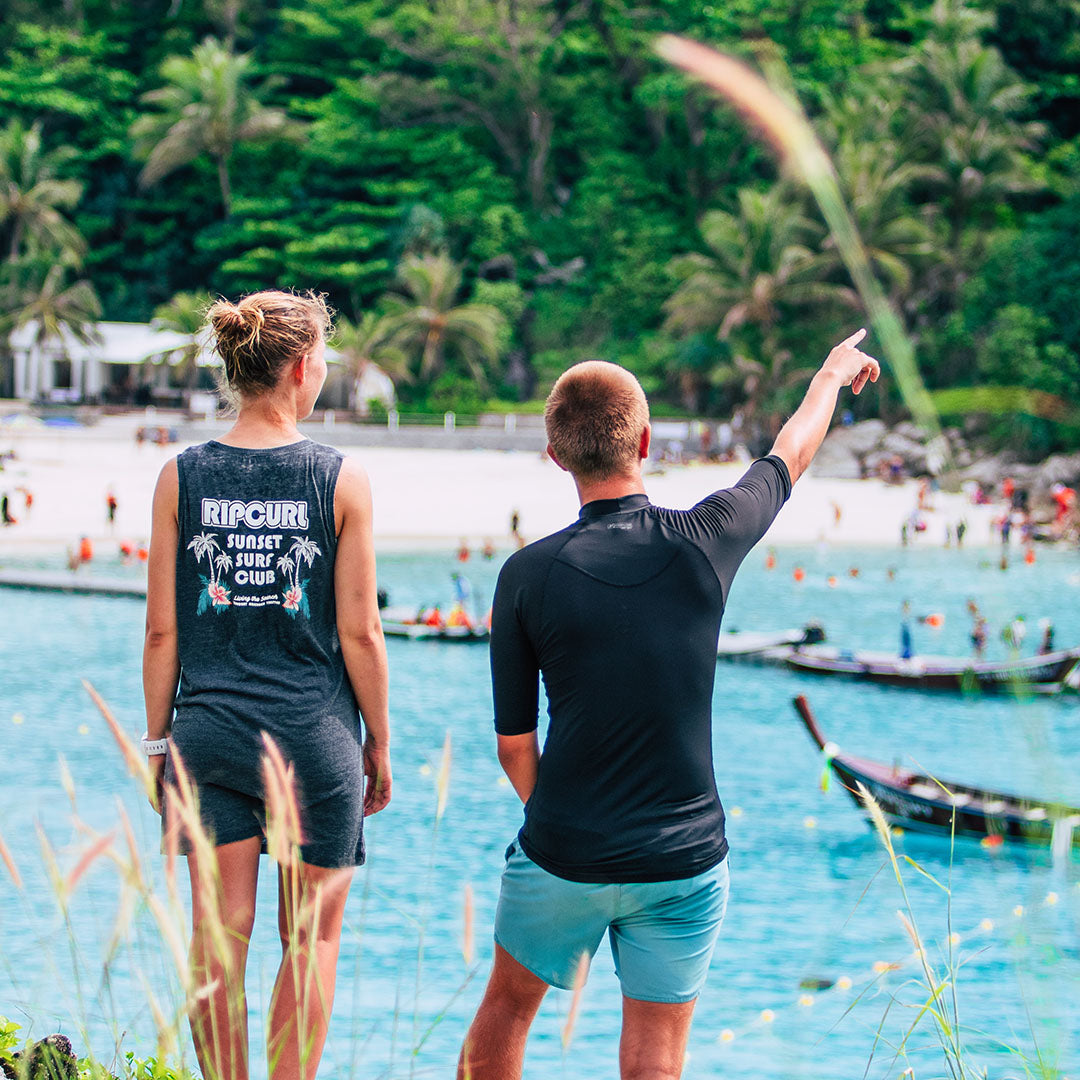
(293, 596)
(218, 593)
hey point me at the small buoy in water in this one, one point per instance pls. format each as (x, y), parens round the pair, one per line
(770, 561)
(992, 841)
(1029, 556)
(935, 619)
(143, 554)
(767, 1016)
(798, 573)
(727, 1035)
(854, 571)
(831, 581)
(843, 983)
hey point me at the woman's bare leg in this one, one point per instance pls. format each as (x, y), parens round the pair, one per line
(222, 915)
(311, 907)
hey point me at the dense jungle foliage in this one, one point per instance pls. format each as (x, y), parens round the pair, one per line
(490, 190)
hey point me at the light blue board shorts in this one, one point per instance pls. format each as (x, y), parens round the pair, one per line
(662, 933)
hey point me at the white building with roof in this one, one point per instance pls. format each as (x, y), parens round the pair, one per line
(65, 369)
(122, 358)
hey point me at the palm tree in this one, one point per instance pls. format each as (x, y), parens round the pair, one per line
(206, 107)
(185, 313)
(40, 293)
(967, 107)
(371, 341)
(761, 264)
(877, 178)
(33, 197)
(301, 550)
(206, 544)
(424, 319)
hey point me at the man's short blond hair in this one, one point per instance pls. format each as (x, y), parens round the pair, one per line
(594, 417)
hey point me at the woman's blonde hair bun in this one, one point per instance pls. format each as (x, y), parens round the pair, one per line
(258, 337)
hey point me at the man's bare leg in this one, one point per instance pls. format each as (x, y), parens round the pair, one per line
(654, 1035)
(495, 1045)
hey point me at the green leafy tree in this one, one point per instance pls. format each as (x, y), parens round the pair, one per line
(486, 63)
(207, 107)
(428, 323)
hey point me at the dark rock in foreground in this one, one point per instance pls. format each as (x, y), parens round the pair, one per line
(50, 1059)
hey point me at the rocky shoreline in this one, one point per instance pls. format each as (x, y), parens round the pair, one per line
(870, 448)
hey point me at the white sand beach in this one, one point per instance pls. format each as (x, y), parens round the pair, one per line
(431, 498)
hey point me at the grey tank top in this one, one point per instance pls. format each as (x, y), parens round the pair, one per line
(256, 616)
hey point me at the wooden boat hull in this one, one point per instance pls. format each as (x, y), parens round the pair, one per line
(921, 803)
(1040, 674)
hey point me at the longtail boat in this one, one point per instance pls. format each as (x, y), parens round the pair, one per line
(923, 803)
(402, 623)
(1046, 673)
(766, 646)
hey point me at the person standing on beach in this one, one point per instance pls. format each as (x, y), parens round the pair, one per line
(620, 613)
(263, 631)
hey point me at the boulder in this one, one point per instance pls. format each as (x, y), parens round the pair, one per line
(1059, 469)
(990, 471)
(836, 462)
(859, 439)
(50, 1059)
(910, 430)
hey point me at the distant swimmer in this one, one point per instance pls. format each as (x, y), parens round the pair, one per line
(463, 550)
(488, 550)
(906, 649)
(1047, 643)
(978, 636)
(110, 509)
(5, 510)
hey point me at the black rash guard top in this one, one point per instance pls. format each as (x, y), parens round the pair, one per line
(620, 612)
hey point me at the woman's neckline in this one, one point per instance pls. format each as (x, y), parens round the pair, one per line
(303, 441)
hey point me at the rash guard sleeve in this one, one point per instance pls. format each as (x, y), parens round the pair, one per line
(515, 670)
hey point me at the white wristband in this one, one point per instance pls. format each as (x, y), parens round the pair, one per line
(154, 747)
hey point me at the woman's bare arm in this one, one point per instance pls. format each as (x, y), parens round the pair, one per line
(161, 658)
(360, 627)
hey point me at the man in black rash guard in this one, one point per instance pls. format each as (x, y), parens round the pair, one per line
(619, 613)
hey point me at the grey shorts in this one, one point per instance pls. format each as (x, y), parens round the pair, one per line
(228, 781)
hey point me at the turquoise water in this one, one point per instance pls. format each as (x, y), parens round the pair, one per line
(807, 902)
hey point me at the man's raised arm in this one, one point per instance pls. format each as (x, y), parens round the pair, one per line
(801, 436)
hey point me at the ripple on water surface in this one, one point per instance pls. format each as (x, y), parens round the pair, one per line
(810, 897)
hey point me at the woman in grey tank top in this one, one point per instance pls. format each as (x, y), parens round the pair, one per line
(263, 622)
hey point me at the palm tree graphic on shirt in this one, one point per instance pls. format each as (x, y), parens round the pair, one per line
(301, 552)
(214, 593)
